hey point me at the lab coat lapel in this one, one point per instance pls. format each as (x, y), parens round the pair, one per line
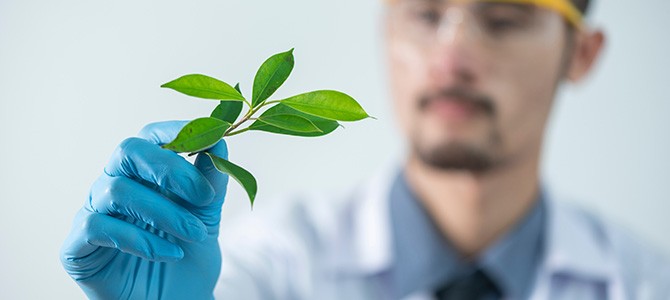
(576, 251)
(372, 225)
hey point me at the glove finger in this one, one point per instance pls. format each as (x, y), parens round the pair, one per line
(164, 132)
(218, 180)
(138, 158)
(93, 232)
(161, 133)
(123, 196)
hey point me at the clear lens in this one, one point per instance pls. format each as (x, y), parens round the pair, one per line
(492, 25)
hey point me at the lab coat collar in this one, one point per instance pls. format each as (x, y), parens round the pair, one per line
(575, 245)
(373, 248)
(572, 245)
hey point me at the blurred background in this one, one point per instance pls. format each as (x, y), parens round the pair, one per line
(77, 77)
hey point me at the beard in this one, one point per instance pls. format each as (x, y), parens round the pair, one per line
(455, 156)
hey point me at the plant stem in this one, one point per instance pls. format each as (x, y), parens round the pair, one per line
(247, 116)
(271, 102)
(238, 132)
(244, 119)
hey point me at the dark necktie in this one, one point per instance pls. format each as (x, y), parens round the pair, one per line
(475, 286)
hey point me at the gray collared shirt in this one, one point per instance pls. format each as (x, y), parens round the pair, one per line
(425, 259)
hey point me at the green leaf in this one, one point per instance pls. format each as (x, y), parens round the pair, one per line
(242, 176)
(325, 126)
(203, 86)
(227, 111)
(290, 122)
(198, 135)
(328, 104)
(271, 75)
(237, 88)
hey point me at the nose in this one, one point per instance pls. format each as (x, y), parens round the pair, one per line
(456, 49)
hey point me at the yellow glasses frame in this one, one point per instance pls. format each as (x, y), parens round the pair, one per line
(563, 7)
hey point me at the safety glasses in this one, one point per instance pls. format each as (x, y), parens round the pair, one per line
(498, 25)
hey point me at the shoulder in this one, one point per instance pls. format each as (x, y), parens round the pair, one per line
(329, 222)
(286, 221)
(332, 232)
(275, 251)
(644, 271)
(307, 226)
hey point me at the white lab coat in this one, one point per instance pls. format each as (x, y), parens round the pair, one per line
(335, 247)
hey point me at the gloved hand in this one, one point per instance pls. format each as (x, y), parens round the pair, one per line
(149, 228)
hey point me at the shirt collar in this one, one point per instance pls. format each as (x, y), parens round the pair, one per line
(513, 260)
(422, 258)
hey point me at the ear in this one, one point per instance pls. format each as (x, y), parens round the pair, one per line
(588, 47)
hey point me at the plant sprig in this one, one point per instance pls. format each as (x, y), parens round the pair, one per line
(309, 114)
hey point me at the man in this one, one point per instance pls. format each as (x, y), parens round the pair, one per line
(465, 217)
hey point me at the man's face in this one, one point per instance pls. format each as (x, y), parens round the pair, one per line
(473, 85)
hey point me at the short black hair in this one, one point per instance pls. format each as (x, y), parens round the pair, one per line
(582, 5)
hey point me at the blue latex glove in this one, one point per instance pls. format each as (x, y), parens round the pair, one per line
(149, 228)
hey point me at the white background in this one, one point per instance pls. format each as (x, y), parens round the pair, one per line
(77, 77)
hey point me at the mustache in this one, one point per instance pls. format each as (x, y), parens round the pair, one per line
(483, 102)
